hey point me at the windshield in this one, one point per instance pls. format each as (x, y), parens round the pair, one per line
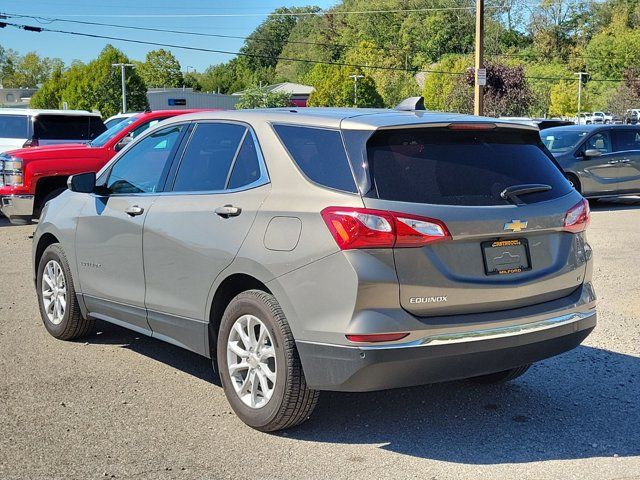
(561, 141)
(113, 131)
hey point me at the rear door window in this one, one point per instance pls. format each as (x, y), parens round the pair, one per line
(600, 141)
(14, 126)
(320, 154)
(626, 139)
(207, 160)
(67, 127)
(460, 167)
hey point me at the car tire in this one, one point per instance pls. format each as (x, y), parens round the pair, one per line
(57, 299)
(573, 180)
(501, 377)
(269, 391)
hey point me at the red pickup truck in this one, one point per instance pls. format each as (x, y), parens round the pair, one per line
(29, 177)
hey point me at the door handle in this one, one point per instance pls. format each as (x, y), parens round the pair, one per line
(134, 210)
(613, 162)
(228, 211)
(625, 160)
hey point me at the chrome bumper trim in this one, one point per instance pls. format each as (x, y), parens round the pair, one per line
(16, 206)
(481, 334)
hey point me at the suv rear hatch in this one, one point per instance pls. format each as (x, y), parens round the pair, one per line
(501, 253)
(59, 128)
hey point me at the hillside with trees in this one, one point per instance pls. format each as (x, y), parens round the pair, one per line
(402, 49)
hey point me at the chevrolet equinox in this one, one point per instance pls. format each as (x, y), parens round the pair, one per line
(325, 249)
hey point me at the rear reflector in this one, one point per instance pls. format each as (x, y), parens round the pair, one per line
(367, 228)
(472, 126)
(377, 337)
(578, 217)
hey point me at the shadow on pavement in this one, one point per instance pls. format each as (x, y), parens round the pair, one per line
(619, 203)
(582, 404)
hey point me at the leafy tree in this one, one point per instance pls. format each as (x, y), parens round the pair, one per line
(160, 69)
(49, 95)
(611, 52)
(334, 88)
(26, 71)
(260, 98)
(439, 90)
(564, 99)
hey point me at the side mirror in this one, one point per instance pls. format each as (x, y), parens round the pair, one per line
(124, 141)
(592, 152)
(82, 182)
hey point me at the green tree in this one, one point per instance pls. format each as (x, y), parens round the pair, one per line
(564, 99)
(440, 90)
(50, 94)
(259, 98)
(611, 52)
(334, 88)
(160, 69)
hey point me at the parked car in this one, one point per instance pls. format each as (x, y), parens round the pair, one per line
(631, 116)
(583, 119)
(116, 119)
(599, 161)
(21, 127)
(604, 118)
(325, 249)
(30, 177)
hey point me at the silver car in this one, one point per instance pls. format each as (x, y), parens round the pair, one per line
(325, 249)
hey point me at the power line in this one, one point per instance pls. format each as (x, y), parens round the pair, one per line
(50, 20)
(31, 28)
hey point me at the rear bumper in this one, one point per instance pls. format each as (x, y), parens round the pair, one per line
(17, 208)
(442, 357)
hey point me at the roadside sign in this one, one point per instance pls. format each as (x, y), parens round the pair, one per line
(481, 76)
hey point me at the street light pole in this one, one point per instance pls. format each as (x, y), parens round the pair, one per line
(123, 78)
(187, 73)
(355, 87)
(580, 74)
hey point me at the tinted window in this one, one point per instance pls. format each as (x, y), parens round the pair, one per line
(67, 127)
(599, 141)
(113, 122)
(208, 157)
(455, 167)
(320, 154)
(14, 126)
(140, 170)
(626, 140)
(559, 140)
(145, 126)
(246, 168)
(113, 131)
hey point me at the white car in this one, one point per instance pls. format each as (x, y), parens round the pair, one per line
(584, 119)
(20, 127)
(116, 119)
(602, 117)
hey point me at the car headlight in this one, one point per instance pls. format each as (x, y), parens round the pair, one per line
(11, 172)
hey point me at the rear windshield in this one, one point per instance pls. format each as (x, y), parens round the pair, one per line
(460, 167)
(67, 127)
(562, 140)
(14, 126)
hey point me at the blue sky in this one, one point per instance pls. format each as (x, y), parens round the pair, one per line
(70, 47)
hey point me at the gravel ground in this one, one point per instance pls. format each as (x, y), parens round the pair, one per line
(124, 406)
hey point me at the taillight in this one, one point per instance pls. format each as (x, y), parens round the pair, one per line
(376, 337)
(367, 228)
(32, 142)
(577, 218)
(472, 126)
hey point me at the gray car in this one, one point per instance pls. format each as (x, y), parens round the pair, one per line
(599, 161)
(325, 249)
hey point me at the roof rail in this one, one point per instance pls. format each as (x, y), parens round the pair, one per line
(410, 104)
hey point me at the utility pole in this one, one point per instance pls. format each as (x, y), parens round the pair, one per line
(183, 77)
(480, 72)
(123, 66)
(580, 74)
(355, 87)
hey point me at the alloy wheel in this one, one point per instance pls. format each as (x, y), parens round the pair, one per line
(251, 360)
(54, 292)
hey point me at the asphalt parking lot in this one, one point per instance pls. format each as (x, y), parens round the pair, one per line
(119, 405)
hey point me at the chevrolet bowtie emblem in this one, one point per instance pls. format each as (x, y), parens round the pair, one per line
(515, 225)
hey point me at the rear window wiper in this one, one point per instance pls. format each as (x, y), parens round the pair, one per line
(514, 192)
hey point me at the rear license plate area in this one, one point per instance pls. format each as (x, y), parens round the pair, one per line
(506, 257)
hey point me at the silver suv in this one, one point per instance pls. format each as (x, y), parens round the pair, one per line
(325, 249)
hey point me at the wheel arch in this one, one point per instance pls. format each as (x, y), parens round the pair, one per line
(46, 185)
(44, 241)
(225, 291)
